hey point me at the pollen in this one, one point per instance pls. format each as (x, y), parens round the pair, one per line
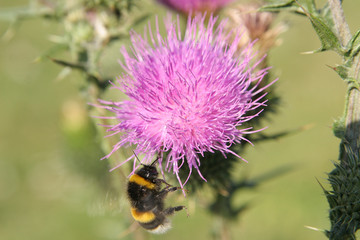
(143, 217)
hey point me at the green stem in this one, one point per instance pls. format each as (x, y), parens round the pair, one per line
(344, 179)
(341, 26)
(352, 105)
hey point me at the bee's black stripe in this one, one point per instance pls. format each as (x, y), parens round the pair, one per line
(153, 224)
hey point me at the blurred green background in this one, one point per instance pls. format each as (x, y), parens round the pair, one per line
(42, 197)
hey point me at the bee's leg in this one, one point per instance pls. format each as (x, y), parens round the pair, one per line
(166, 190)
(169, 189)
(171, 210)
(159, 181)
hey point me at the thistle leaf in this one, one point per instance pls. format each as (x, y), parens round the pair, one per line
(289, 5)
(320, 19)
(328, 38)
(279, 5)
(353, 47)
(23, 12)
(326, 15)
(69, 64)
(341, 70)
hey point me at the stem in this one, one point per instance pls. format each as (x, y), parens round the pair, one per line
(341, 26)
(352, 107)
(352, 121)
(344, 179)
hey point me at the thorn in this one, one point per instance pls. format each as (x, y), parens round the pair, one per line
(325, 191)
(68, 64)
(308, 52)
(333, 68)
(314, 228)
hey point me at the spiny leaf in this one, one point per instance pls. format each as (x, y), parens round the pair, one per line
(222, 204)
(23, 12)
(309, 5)
(320, 19)
(342, 70)
(328, 39)
(292, 5)
(68, 64)
(353, 47)
(277, 6)
(326, 14)
(51, 51)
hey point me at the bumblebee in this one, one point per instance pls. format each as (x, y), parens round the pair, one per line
(147, 199)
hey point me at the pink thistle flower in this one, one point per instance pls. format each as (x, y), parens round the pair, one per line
(185, 96)
(188, 6)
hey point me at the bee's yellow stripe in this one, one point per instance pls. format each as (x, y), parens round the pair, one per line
(142, 181)
(143, 217)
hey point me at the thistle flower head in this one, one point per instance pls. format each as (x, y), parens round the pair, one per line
(257, 26)
(186, 96)
(188, 6)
